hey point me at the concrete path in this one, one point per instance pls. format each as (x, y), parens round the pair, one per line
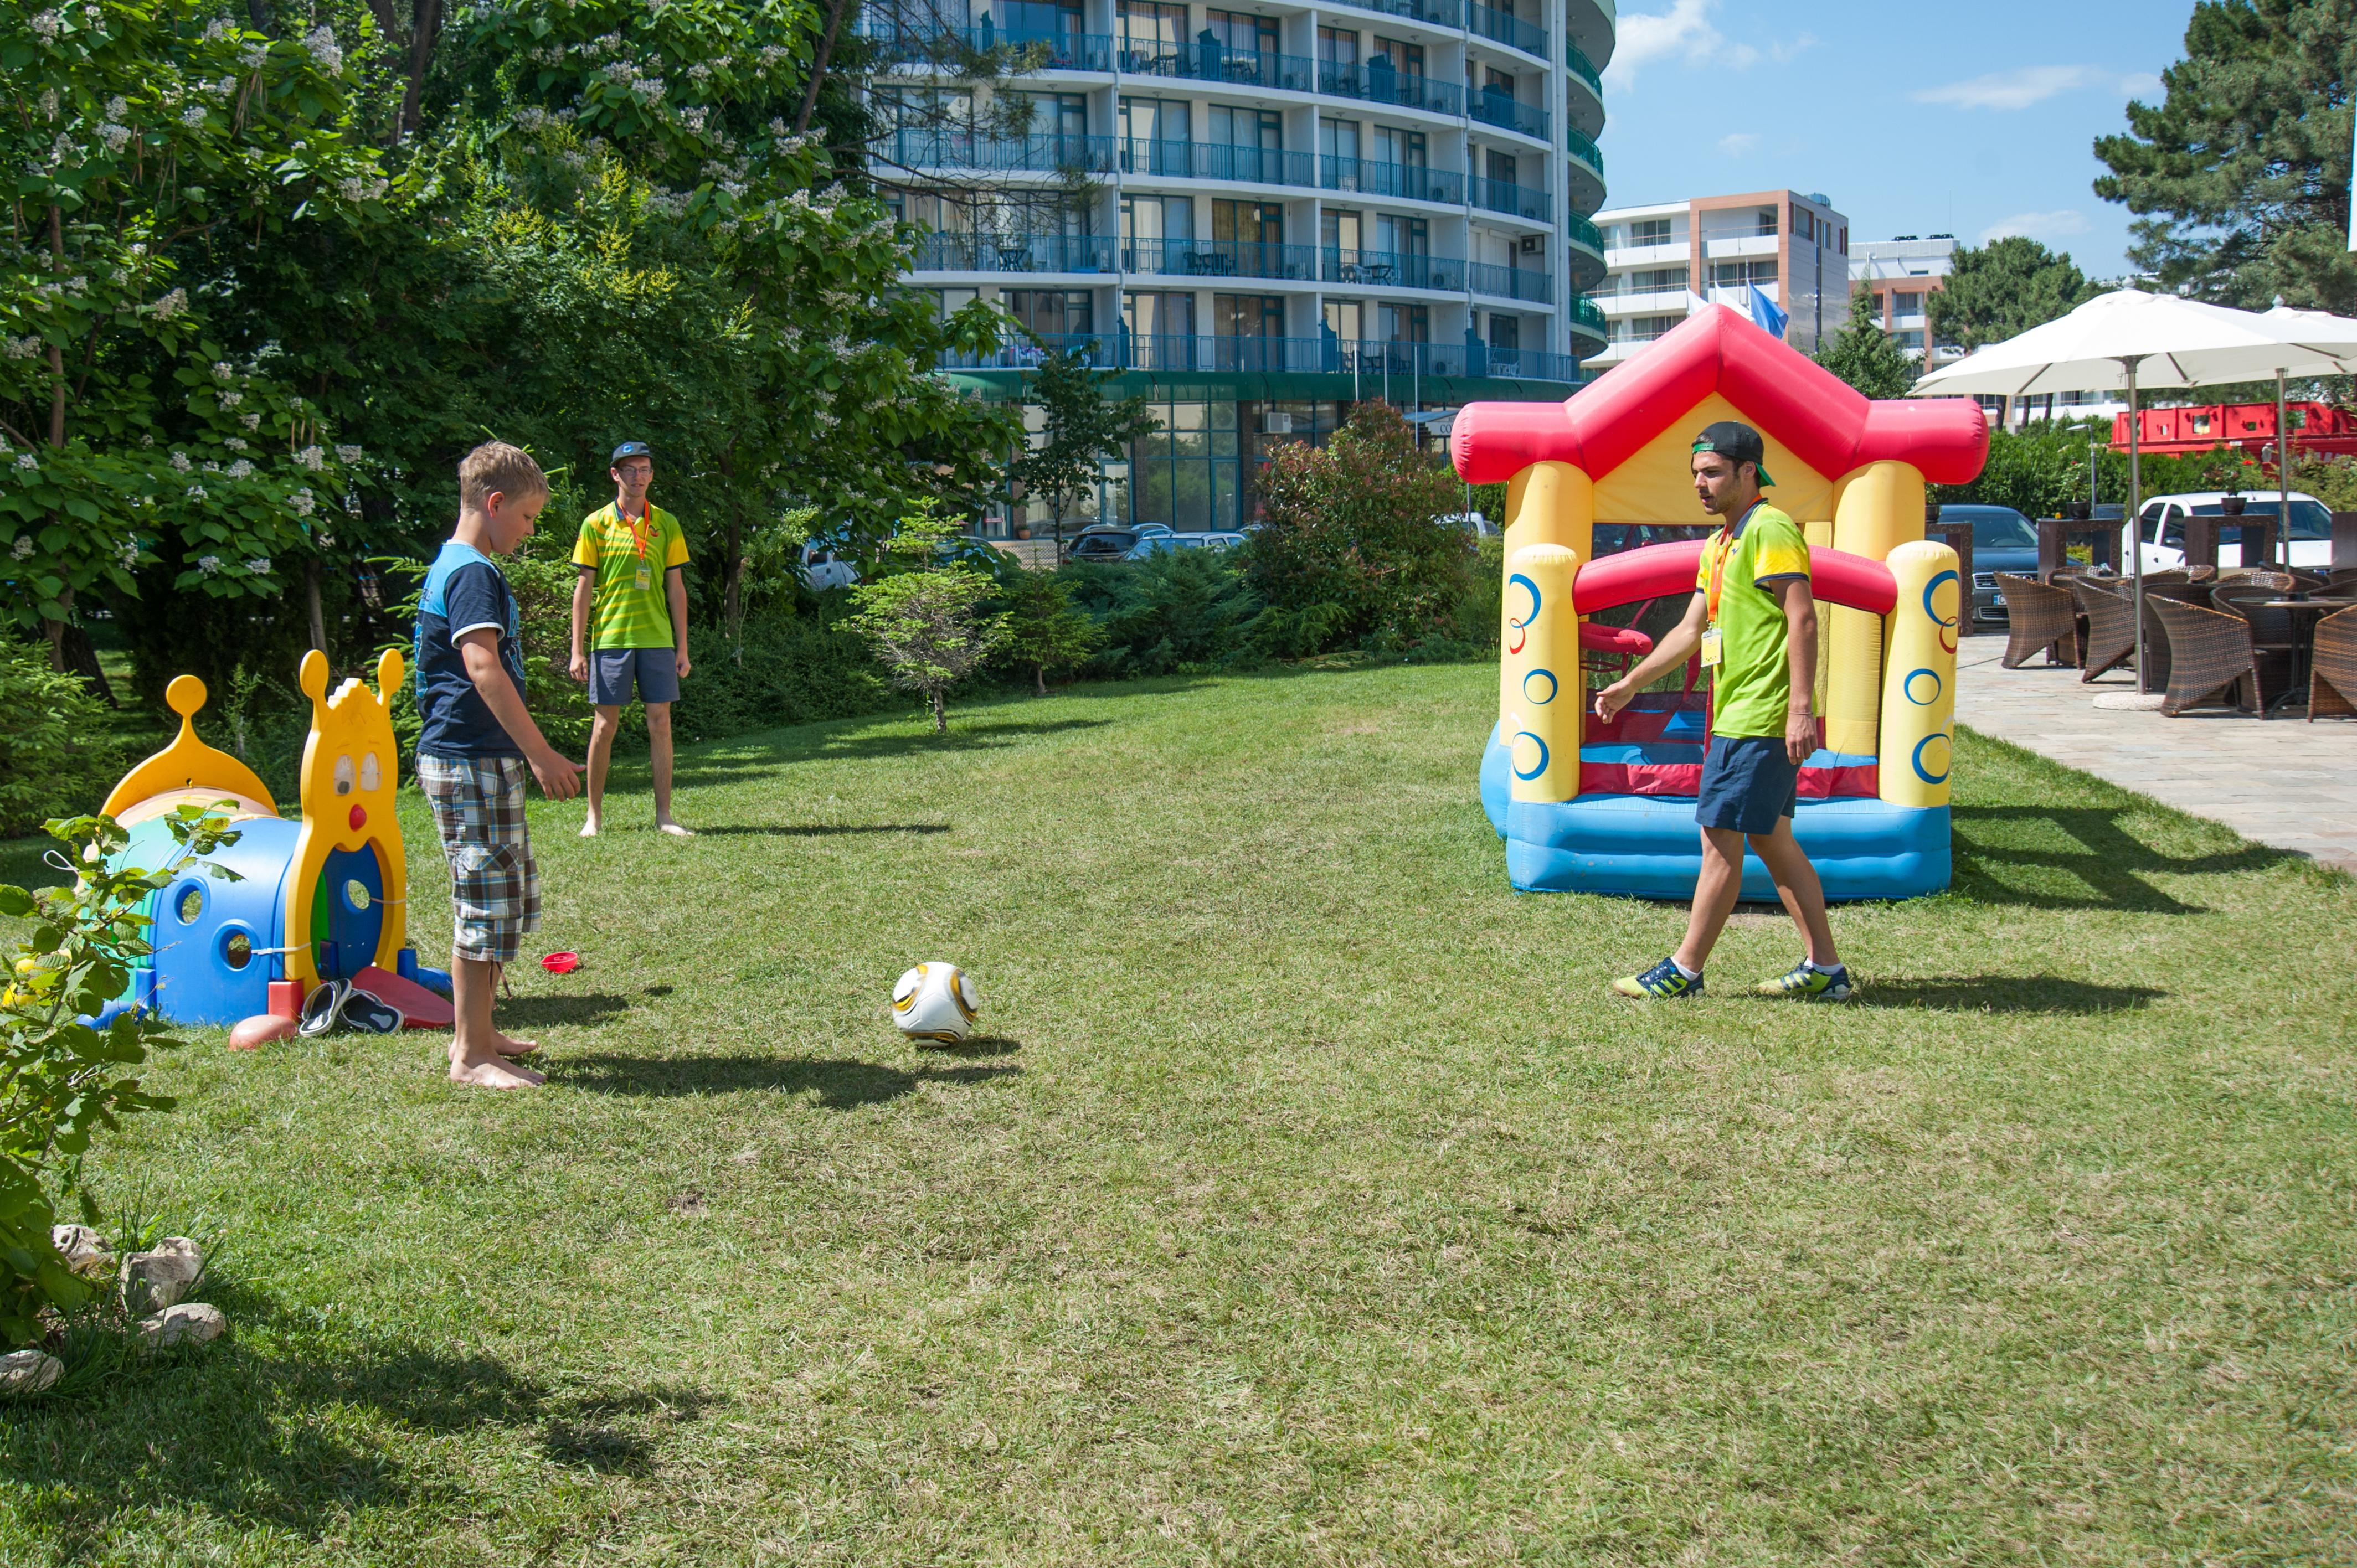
(2286, 783)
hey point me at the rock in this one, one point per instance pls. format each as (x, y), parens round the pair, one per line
(29, 1372)
(160, 1277)
(190, 1323)
(86, 1251)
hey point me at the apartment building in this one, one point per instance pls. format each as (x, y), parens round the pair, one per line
(1259, 213)
(1666, 261)
(1904, 271)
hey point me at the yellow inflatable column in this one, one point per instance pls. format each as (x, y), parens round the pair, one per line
(1546, 504)
(1541, 721)
(1919, 683)
(1877, 510)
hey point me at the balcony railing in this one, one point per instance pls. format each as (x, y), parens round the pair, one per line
(1220, 258)
(1438, 13)
(1371, 361)
(926, 148)
(1211, 61)
(1582, 67)
(1494, 106)
(1014, 253)
(1405, 182)
(1378, 82)
(1580, 231)
(1585, 311)
(1393, 269)
(1509, 283)
(1214, 160)
(1520, 200)
(1505, 27)
(1581, 147)
(947, 45)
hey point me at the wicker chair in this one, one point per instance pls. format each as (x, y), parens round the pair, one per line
(2210, 656)
(2274, 634)
(2038, 618)
(2111, 627)
(2257, 577)
(2332, 667)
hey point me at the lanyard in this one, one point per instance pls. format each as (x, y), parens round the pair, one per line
(644, 528)
(1725, 543)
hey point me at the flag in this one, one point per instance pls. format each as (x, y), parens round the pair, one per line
(1765, 316)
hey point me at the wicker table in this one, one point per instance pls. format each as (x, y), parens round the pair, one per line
(2302, 648)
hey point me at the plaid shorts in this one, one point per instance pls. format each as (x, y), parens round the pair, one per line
(494, 882)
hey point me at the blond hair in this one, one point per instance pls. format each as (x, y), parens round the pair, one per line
(496, 466)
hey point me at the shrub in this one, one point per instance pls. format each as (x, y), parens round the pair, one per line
(787, 670)
(58, 755)
(1186, 610)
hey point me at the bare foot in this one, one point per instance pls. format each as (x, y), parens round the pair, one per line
(589, 828)
(666, 825)
(508, 1046)
(492, 1074)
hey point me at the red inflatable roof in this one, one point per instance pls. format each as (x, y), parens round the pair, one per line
(1827, 424)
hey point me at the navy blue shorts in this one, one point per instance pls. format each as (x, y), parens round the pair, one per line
(614, 670)
(1748, 782)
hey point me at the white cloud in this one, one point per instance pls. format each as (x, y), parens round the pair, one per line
(1685, 33)
(2032, 84)
(1739, 142)
(2038, 225)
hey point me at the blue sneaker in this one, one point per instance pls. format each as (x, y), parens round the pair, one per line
(1661, 983)
(1805, 982)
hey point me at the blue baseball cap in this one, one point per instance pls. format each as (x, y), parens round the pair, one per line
(633, 450)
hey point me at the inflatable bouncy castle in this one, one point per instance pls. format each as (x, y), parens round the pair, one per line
(1609, 808)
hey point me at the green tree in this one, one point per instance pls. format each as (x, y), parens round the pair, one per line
(1865, 356)
(927, 621)
(2003, 289)
(2240, 176)
(1081, 428)
(1044, 629)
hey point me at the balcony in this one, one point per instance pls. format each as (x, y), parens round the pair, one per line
(1220, 258)
(1517, 201)
(1494, 106)
(955, 47)
(1378, 82)
(1585, 150)
(926, 148)
(1402, 182)
(1393, 269)
(1211, 61)
(1213, 160)
(1369, 361)
(1509, 283)
(1447, 13)
(1583, 67)
(1583, 313)
(1505, 27)
(1013, 253)
(1583, 253)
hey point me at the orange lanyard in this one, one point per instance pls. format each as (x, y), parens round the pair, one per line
(1725, 546)
(642, 528)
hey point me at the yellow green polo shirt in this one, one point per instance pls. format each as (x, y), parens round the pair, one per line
(630, 557)
(1752, 690)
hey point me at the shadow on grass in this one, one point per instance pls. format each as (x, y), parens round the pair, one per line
(2009, 993)
(737, 757)
(586, 1010)
(821, 830)
(270, 1440)
(840, 1084)
(2110, 869)
(979, 1045)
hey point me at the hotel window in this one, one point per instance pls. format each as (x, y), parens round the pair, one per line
(1408, 323)
(1657, 280)
(1346, 319)
(1242, 32)
(1248, 315)
(1645, 328)
(1402, 236)
(1040, 18)
(1501, 168)
(1150, 31)
(1158, 314)
(1650, 232)
(1344, 232)
(1051, 312)
(1742, 274)
(1260, 128)
(1406, 148)
(1767, 221)
(1338, 49)
(1248, 222)
(1905, 302)
(1156, 120)
(1505, 333)
(1402, 57)
(1059, 114)
(1338, 139)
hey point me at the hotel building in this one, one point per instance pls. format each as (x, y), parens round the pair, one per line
(1665, 262)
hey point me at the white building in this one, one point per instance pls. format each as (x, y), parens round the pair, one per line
(1666, 261)
(1261, 213)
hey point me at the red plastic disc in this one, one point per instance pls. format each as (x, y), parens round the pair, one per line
(561, 963)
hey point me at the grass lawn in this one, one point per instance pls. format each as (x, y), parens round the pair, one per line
(1311, 1201)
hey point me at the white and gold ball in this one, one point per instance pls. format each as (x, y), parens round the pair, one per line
(936, 1002)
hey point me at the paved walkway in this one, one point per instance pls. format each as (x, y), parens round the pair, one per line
(2286, 783)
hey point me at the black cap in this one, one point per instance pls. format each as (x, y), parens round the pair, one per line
(1737, 443)
(641, 449)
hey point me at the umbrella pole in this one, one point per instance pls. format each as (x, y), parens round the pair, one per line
(2136, 525)
(2283, 473)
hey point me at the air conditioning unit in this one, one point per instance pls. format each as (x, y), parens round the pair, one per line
(1534, 245)
(1274, 424)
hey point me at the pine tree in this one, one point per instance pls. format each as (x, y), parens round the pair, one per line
(2001, 290)
(2240, 177)
(1864, 355)
(1044, 629)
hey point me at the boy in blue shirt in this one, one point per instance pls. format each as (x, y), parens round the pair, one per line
(477, 744)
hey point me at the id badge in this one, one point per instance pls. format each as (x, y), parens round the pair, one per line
(1711, 648)
(646, 578)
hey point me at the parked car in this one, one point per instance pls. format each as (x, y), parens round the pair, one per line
(1102, 542)
(824, 569)
(2162, 525)
(1163, 543)
(2003, 540)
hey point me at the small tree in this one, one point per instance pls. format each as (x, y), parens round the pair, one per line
(1045, 630)
(1864, 355)
(1082, 427)
(926, 620)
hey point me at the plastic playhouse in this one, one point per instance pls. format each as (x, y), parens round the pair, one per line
(1602, 808)
(321, 899)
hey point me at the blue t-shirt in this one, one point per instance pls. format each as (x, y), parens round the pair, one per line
(464, 592)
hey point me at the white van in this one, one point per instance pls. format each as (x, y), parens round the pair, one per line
(2162, 523)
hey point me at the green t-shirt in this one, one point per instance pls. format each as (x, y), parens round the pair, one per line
(1752, 692)
(631, 558)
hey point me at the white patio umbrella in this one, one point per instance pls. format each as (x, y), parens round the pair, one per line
(2119, 340)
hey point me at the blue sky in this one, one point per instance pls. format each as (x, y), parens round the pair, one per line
(1974, 120)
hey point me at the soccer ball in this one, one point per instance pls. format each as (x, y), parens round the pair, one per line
(935, 1002)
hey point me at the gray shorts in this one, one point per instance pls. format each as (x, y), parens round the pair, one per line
(614, 670)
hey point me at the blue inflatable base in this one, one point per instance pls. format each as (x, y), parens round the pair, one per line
(1646, 846)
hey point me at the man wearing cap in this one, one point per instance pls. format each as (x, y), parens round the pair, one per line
(633, 582)
(1755, 622)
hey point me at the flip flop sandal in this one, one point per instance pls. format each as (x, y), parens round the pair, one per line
(369, 1014)
(322, 1006)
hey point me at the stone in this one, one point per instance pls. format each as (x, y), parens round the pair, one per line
(29, 1372)
(86, 1251)
(159, 1277)
(190, 1323)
